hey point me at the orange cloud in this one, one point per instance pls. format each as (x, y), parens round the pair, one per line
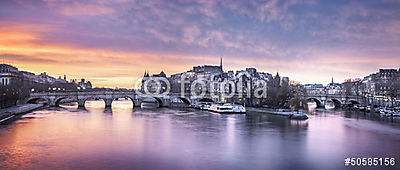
(106, 68)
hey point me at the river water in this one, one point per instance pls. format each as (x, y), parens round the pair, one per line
(126, 138)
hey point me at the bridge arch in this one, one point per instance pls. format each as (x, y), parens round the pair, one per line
(353, 102)
(160, 102)
(57, 101)
(185, 100)
(37, 100)
(180, 102)
(206, 100)
(154, 99)
(337, 103)
(318, 102)
(82, 103)
(134, 104)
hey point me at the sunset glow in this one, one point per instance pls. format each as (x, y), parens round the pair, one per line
(112, 43)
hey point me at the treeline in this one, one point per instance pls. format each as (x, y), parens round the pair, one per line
(10, 94)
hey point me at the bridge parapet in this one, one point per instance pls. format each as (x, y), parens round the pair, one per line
(81, 96)
(54, 98)
(338, 99)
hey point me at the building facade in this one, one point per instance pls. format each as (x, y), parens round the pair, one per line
(17, 85)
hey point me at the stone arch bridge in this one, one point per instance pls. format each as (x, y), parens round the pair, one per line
(55, 98)
(337, 99)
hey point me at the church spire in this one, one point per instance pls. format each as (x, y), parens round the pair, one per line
(332, 80)
(220, 63)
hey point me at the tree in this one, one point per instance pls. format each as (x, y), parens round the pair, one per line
(297, 100)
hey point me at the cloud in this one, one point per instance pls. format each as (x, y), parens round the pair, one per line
(191, 34)
(85, 9)
(161, 36)
(29, 59)
(99, 37)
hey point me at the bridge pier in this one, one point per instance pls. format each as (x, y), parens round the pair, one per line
(81, 103)
(108, 102)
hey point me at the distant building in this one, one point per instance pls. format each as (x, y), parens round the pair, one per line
(213, 80)
(162, 74)
(285, 81)
(11, 83)
(251, 71)
(277, 80)
(334, 88)
(208, 68)
(9, 75)
(315, 88)
(84, 85)
(17, 84)
(47, 78)
(150, 84)
(386, 82)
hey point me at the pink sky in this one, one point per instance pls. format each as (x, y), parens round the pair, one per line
(113, 43)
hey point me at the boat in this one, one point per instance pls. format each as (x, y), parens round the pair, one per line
(227, 108)
(149, 104)
(202, 105)
(312, 106)
(329, 105)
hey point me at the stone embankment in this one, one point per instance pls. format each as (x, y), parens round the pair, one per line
(11, 112)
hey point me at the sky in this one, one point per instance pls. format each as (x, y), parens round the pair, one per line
(112, 43)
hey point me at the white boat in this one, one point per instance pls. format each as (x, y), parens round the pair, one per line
(204, 107)
(329, 105)
(227, 108)
(149, 104)
(312, 106)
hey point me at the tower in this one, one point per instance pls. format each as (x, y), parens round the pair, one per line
(220, 64)
(146, 74)
(277, 80)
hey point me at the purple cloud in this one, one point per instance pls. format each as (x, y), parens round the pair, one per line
(288, 36)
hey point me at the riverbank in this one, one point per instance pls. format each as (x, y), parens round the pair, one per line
(11, 112)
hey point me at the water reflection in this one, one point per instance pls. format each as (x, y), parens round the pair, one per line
(123, 137)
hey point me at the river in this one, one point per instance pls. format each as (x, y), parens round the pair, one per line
(164, 138)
